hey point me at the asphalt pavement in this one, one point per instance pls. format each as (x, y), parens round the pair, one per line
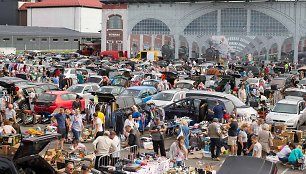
(196, 159)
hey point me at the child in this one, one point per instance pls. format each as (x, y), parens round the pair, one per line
(257, 148)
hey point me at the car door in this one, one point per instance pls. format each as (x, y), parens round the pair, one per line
(66, 102)
(143, 95)
(151, 92)
(172, 110)
(302, 110)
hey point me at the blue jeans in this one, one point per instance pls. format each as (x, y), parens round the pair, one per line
(283, 160)
(76, 134)
(215, 143)
(179, 164)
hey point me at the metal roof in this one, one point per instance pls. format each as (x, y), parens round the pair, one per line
(180, 1)
(67, 3)
(6, 30)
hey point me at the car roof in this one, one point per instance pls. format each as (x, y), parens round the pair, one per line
(172, 91)
(186, 81)
(296, 89)
(141, 87)
(86, 84)
(58, 92)
(292, 101)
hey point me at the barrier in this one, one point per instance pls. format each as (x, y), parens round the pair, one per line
(127, 154)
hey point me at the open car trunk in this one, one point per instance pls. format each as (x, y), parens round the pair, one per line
(246, 164)
(26, 157)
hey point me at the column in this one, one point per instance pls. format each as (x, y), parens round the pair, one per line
(190, 42)
(172, 42)
(141, 42)
(152, 42)
(103, 32)
(163, 40)
(128, 46)
(296, 36)
(295, 45)
(248, 29)
(219, 22)
(279, 51)
(177, 45)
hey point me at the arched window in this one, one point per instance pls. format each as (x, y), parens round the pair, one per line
(114, 22)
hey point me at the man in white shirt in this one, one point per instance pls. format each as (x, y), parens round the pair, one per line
(10, 113)
(257, 147)
(103, 145)
(284, 153)
(116, 154)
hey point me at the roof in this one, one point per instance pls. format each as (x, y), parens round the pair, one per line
(296, 89)
(186, 81)
(291, 101)
(42, 32)
(141, 87)
(25, 6)
(67, 3)
(172, 91)
(57, 92)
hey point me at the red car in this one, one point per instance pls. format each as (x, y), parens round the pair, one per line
(47, 102)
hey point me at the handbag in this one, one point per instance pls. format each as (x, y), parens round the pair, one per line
(181, 133)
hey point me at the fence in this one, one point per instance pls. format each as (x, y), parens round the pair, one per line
(125, 154)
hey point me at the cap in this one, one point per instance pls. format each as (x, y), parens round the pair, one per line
(215, 120)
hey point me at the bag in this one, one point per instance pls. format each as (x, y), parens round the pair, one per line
(181, 133)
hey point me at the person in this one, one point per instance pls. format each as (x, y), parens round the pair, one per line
(265, 139)
(227, 88)
(214, 132)
(103, 145)
(295, 155)
(242, 139)
(257, 148)
(80, 78)
(101, 116)
(85, 170)
(15, 125)
(61, 126)
(242, 95)
(249, 148)
(257, 126)
(77, 103)
(115, 156)
(129, 121)
(10, 113)
(186, 132)
(218, 111)
(178, 152)
(133, 138)
(77, 146)
(8, 128)
(69, 168)
(98, 128)
(232, 136)
(56, 80)
(203, 111)
(157, 130)
(285, 152)
(137, 117)
(76, 125)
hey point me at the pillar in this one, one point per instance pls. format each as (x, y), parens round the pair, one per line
(219, 22)
(141, 42)
(296, 37)
(279, 51)
(172, 42)
(103, 32)
(163, 40)
(177, 45)
(152, 42)
(248, 29)
(128, 46)
(295, 44)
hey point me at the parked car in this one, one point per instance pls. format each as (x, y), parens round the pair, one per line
(25, 90)
(289, 111)
(47, 102)
(242, 109)
(190, 107)
(115, 90)
(254, 82)
(95, 79)
(280, 83)
(150, 82)
(84, 90)
(167, 97)
(46, 86)
(11, 84)
(302, 83)
(185, 84)
(255, 70)
(295, 93)
(27, 157)
(142, 94)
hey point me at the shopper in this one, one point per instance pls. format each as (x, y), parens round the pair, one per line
(157, 130)
(10, 113)
(265, 139)
(218, 111)
(214, 132)
(285, 152)
(116, 154)
(77, 103)
(69, 168)
(295, 155)
(242, 139)
(76, 124)
(8, 128)
(186, 132)
(257, 148)
(103, 145)
(232, 136)
(97, 124)
(133, 139)
(137, 117)
(178, 152)
(129, 121)
(61, 126)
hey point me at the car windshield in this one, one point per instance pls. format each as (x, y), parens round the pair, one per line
(148, 83)
(295, 93)
(76, 89)
(252, 80)
(302, 82)
(184, 85)
(285, 108)
(105, 90)
(94, 79)
(130, 92)
(237, 102)
(163, 96)
(46, 97)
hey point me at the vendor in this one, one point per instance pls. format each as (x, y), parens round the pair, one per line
(178, 152)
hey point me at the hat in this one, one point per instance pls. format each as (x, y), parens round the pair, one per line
(215, 120)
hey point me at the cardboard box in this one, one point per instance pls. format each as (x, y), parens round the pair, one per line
(279, 128)
(279, 142)
(148, 145)
(288, 135)
(299, 135)
(11, 139)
